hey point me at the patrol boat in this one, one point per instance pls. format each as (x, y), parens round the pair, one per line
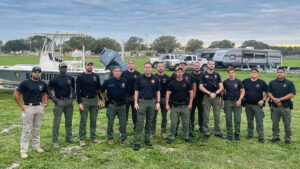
(49, 62)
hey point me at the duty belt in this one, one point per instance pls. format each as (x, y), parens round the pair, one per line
(32, 104)
(89, 97)
(64, 98)
(118, 102)
(149, 98)
(179, 104)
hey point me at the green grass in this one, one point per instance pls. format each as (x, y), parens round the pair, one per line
(291, 62)
(214, 153)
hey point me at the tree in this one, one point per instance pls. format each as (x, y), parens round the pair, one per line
(165, 44)
(66, 48)
(255, 44)
(222, 44)
(77, 42)
(106, 42)
(16, 45)
(194, 44)
(1, 43)
(135, 44)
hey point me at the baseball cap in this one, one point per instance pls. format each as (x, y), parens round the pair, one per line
(89, 62)
(179, 68)
(183, 62)
(36, 68)
(63, 65)
(254, 68)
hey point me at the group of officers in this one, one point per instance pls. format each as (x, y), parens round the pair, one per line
(145, 94)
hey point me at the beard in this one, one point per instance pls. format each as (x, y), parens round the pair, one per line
(35, 78)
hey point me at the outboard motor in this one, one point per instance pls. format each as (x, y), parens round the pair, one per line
(110, 59)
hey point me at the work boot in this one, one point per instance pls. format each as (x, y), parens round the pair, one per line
(287, 141)
(126, 142)
(261, 140)
(237, 137)
(148, 143)
(273, 140)
(229, 138)
(205, 137)
(38, 149)
(111, 142)
(169, 141)
(220, 135)
(23, 155)
(249, 137)
(192, 135)
(188, 140)
(136, 147)
(55, 145)
(82, 143)
(96, 142)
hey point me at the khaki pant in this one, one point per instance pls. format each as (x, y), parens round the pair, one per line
(31, 119)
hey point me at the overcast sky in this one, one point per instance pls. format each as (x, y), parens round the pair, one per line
(270, 21)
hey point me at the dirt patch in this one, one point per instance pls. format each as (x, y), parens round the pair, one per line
(10, 128)
(14, 165)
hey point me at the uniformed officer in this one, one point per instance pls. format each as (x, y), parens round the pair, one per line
(87, 88)
(131, 75)
(188, 77)
(211, 84)
(33, 90)
(181, 92)
(255, 101)
(197, 102)
(164, 80)
(280, 92)
(64, 90)
(116, 92)
(147, 88)
(232, 95)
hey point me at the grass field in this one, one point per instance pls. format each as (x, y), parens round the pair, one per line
(213, 153)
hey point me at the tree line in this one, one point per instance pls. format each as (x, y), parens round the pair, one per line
(163, 44)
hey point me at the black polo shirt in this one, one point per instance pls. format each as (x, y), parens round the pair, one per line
(147, 86)
(254, 90)
(87, 86)
(116, 89)
(281, 88)
(131, 78)
(211, 81)
(62, 85)
(164, 81)
(180, 90)
(196, 77)
(32, 90)
(232, 89)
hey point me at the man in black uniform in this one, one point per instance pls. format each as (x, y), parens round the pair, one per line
(197, 102)
(87, 88)
(146, 101)
(164, 80)
(131, 75)
(181, 92)
(211, 84)
(64, 86)
(33, 91)
(188, 77)
(233, 94)
(116, 93)
(280, 92)
(255, 101)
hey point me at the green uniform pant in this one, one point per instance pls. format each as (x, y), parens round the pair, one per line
(164, 120)
(179, 112)
(146, 110)
(216, 104)
(66, 107)
(229, 108)
(257, 112)
(90, 105)
(111, 112)
(130, 103)
(276, 114)
(197, 103)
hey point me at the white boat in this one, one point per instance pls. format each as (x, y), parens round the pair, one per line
(49, 62)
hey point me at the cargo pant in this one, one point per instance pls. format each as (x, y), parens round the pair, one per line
(276, 114)
(66, 107)
(31, 119)
(90, 105)
(179, 112)
(197, 103)
(229, 108)
(130, 103)
(146, 110)
(164, 120)
(111, 112)
(216, 104)
(257, 112)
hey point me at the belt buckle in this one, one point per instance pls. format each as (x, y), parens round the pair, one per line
(30, 104)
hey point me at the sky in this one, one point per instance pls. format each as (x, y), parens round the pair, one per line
(271, 21)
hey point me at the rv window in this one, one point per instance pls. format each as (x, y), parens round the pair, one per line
(167, 57)
(232, 57)
(205, 55)
(189, 58)
(194, 58)
(248, 55)
(260, 55)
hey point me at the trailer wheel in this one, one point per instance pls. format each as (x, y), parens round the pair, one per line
(204, 68)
